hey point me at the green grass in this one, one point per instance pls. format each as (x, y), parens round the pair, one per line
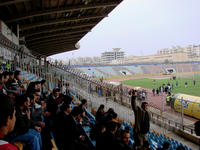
(149, 84)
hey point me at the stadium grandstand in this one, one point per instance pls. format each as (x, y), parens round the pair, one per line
(47, 106)
(138, 69)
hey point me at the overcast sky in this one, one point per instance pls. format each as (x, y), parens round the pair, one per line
(141, 27)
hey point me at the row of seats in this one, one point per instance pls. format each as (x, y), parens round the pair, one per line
(156, 140)
(117, 70)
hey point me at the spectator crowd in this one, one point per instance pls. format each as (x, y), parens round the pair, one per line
(29, 115)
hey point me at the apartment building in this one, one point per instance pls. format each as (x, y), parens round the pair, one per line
(108, 57)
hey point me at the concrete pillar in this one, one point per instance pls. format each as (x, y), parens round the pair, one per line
(45, 66)
(40, 67)
(18, 31)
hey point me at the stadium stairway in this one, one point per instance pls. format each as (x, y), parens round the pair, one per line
(107, 70)
(127, 72)
(103, 72)
(144, 71)
(135, 68)
(130, 70)
(117, 70)
(164, 69)
(195, 66)
(140, 70)
(114, 71)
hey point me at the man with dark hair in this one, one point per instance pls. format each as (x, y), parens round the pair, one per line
(11, 86)
(108, 140)
(109, 115)
(146, 145)
(1, 83)
(52, 103)
(123, 143)
(197, 128)
(67, 99)
(153, 91)
(142, 121)
(100, 114)
(7, 121)
(36, 112)
(43, 82)
(5, 77)
(180, 148)
(38, 85)
(67, 89)
(165, 146)
(17, 78)
(7, 87)
(36, 93)
(17, 74)
(30, 88)
(84, 104)
(194, 82)
(42, 91)
(186, 84)
(74, 137)
(87, 120)
(60, 124)
(1, 69)
(25, 129)
(10, 80)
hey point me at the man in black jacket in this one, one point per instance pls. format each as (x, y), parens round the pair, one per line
(70, 134)
(25, 130)
(52, 102)
(142, 120)
(108, 140)
(197, 128)
(60, 124)
(123, 143)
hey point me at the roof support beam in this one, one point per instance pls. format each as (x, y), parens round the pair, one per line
(54, 50)
(61, 10)
(58, 45)
(46, 39)
(62, 50)
(78, 36)
(49, 30)
(58, 34)
(53, 43)
(58, 21)
(12, 2)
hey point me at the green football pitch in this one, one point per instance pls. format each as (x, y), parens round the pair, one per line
(151, 83)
